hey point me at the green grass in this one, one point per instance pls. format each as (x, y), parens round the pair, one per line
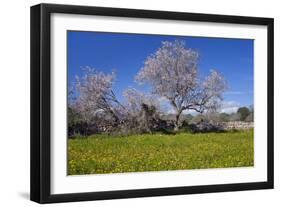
(158, 152)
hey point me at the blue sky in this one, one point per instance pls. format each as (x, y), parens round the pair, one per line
(126, 53)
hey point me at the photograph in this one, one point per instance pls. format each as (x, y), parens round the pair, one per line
(129, 103)
(150, 102)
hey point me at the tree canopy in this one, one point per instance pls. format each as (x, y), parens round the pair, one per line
(172, 72)
(244, 112)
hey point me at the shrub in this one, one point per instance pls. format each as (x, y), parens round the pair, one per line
(205, 126)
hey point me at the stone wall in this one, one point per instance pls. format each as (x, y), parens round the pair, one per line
(238, 125)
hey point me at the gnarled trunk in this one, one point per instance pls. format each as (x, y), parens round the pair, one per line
(177, 122)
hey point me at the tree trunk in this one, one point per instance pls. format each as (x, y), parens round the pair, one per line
(177, 123)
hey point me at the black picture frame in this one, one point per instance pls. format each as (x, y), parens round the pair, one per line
(41, 96)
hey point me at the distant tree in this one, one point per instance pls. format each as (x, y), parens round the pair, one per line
(250, 118)
(243, 112)
(234, 117)
(172, 71)
(224, 117)
(186, 120)
(75, 122)
(198, 118)
(187, 117)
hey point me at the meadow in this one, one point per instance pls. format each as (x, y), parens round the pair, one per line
(98, 154)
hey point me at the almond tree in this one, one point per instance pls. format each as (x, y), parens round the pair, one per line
(172, 72)
(95, 94)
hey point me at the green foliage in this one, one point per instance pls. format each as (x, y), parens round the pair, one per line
(250, 117)
(75, 122)
(197, 119)
(186, 117)
(243, 112)
(224, 117)
(159, 152)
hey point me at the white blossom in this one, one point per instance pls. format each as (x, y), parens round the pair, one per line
(172, 72)
(95, 93)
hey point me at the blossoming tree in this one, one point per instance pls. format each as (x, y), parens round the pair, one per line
(95, 94)
(172, 72)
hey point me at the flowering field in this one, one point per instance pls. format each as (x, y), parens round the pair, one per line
(158, 152)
